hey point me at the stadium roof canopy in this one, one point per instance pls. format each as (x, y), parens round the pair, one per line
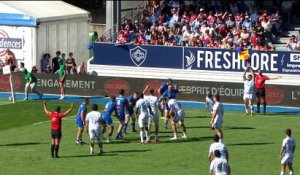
(29, 13)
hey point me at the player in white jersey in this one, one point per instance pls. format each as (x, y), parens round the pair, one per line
(287, 152)
(153, 102)
(177, 112)
(142, 111)
(249, 84)
(209, 100)
(93, 128)
(219, 166)
(217, 116)
(217, 146)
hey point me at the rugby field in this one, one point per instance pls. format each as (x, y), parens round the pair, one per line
(253, 144)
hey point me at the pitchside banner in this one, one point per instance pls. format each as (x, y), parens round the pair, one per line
(81, 85)
(278, 62)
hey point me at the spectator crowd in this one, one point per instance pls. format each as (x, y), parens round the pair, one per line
(213, 24)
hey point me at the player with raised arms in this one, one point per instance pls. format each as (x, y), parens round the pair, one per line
(153, 102)
(217, 116)
(122, 103)
(142, 111)
(177, 112)
(130, 112)
(109, 108)
(287, 152)
(93, 128)
(248, 90)
(56, 122)
(80, 120)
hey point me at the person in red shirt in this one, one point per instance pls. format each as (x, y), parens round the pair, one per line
(260, 93)
(56, 122)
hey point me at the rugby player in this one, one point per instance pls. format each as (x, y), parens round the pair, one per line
(80, 120)
(56, 122)
(30, 82)
(219, 166)
(142, 107)
(217, 146)
(130, 112)
(217, 116)
(93, 128)
(110, 107)
(260, 80)
(153, 102)
(161, 90)
(122, 103)
(209, 100)
(177, 112)
(169, 94)
(287, 152)
(62, 78)
(248, 91)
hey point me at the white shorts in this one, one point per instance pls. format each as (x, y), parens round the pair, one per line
(154, 118)
(95, 133)
(143, 121)
(287, 159)
(217, 124)
(179, 116)
(248, 97)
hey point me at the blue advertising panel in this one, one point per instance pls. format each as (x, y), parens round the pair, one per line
(278, 62)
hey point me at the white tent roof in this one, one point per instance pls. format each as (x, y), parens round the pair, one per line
(44, 11)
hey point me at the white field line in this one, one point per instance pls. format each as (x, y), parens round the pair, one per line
(16, 149)
(67, 118)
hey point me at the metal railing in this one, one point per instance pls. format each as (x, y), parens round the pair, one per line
(111, 34)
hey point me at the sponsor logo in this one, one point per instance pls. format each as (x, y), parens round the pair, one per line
(274, 95)
(113, 86)
(294, 58)
(8, 43)
(153, 85)
(189, 60)
(5, 83)
(138, 55)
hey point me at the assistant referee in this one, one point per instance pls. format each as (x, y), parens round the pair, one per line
(56, 122)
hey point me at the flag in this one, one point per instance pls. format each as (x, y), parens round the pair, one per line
(244, 55)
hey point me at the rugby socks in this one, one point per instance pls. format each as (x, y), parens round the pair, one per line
(258, 106)
(52, 150)
(281, 173)
(184, 134)
(133, 127)
(291, 173)
(265, 107)
(246, 109)
(142, 136)
(166, 125)
(56, 149)
(125, 127)
(147, 136)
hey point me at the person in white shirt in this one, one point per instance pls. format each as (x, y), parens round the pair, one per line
(142, 111)
(209, 100)
(248, 90)
(153, 102)
(217, 116)
(217, 145)
(287, 152)
(219, 166)
(177, 112)
(93, 128)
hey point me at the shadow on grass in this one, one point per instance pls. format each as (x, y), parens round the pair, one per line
(190, 139)
(130, 151)
(280, 113)
(251, 144)
(88, 155)
(22, 144)
(200, 116)
(194, 127)
(237, 127)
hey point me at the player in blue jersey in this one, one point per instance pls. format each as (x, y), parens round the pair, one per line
(110, 107)
(80, 119)
(161, 90)
(170, 93)
(130, 112)
(122, 103)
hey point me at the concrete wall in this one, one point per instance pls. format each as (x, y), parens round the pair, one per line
(99, 28)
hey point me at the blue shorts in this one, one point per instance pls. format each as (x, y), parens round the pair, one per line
(166, 107)
(107, 119)
(79, 123)
(121, 118)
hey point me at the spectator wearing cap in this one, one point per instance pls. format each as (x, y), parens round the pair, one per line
(55, 63)
(247, 23)
(45, 61)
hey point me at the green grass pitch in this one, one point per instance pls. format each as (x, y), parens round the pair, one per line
(253, 144)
